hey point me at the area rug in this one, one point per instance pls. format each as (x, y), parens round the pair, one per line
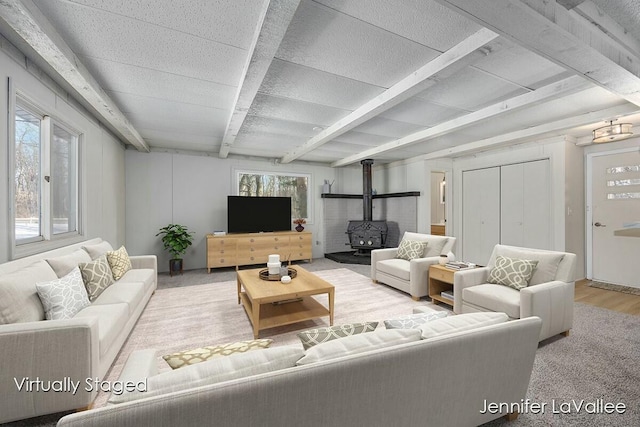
(194, 316)
(618, 288)
(597, 362)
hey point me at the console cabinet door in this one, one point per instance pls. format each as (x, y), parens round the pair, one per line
(300, 246)
(221, 252)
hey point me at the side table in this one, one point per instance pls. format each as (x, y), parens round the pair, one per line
(440, 279)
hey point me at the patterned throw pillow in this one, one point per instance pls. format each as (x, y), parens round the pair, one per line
(63, 298)
(410, 249)
(512, 272)
(413, 321)
(190, 357)
(96, 276)
(119, 262)
(316, 336)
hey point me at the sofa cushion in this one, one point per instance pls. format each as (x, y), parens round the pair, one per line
(190, 357)
(461, 322)
(97, 250)
(411, 249)
(97, 276)
(144, 275)
(395, 267)
(129, 293)
(548, 262)
(494, 298)
(214, 371)
(112, 319)
(413, 321)
(358, 344)
(63, 264)
(119, 262)
(19, 301)
(435, 244)
(64, 297)
(512, 272)
(319, 335)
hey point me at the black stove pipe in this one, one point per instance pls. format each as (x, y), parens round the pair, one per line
(367, 196)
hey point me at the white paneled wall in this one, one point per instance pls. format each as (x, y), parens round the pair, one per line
(102, 155)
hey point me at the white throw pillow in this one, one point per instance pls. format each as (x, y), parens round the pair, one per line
(63, 298)
(461, 322)
(361, 343)
(214, 371)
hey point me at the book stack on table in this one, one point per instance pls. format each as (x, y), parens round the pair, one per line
(459, 265)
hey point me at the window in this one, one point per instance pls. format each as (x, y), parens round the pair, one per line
(296, 186)
(45, 167)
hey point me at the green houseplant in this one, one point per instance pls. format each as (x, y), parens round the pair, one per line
(176, 239)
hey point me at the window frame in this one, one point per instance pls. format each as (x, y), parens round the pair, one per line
(308, 176)
(47, 240)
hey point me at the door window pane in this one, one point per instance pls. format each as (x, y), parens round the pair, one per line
(63, 181)
(27, 175)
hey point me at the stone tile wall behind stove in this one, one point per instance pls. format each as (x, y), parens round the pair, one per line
(401, 214)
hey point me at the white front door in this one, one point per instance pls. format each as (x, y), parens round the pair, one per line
(615, 218)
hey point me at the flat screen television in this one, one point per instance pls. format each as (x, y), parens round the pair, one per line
(258, 214)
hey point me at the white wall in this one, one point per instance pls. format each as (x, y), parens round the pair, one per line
(102, 155)
(192, 190)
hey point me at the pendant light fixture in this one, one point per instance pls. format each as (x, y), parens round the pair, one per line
(612, 132)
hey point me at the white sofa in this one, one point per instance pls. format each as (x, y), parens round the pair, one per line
(412, 276)
(439, 381)
(68, 350)
(549, 296)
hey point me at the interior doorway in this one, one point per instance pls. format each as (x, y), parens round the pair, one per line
(438, 203)
(613, 217)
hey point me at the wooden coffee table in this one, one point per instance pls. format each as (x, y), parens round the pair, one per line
(263, 299)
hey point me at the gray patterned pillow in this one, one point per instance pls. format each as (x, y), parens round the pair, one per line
(97, 276)
(64, 297)
(316, 336)
(512, 272)
(410, 249)
(413, 321)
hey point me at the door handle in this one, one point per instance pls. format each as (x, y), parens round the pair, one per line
(597, 224)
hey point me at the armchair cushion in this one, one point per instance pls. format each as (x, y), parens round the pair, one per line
(493, 297)
(410, 249)
(399, 268)
(435, 244)
(512, 272)
(548, 262)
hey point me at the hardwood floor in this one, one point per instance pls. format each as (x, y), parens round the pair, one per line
(612, 300)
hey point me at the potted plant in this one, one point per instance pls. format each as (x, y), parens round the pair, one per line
(176, 239)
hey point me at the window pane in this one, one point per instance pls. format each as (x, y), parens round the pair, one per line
(63, 181)
(263, 185)
(27, 175)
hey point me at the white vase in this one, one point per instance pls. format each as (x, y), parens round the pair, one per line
(443, 259)
(451, 256)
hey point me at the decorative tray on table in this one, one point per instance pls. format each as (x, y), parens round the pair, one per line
(264, 274)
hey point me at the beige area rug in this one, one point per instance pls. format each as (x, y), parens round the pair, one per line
(195, 316)
(618, 288)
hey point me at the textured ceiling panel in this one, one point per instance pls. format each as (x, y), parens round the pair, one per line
(294, 81)
(266, 124)
(425, 22)
(230, 22)
(365, 140)
(420, 112)
(626, 13)
(470, 89)
(160, 85)
(322, 38)
(297, 111)
(386, 127)
(95, 33)
(176, 125)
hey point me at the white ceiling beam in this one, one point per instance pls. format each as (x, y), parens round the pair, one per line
(562, 36)
(416, 82)
(272, 26)
(529, 134)
(33, 27)
(564, 87)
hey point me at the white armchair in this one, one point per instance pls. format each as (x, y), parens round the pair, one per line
(412, 276)
(550, 293)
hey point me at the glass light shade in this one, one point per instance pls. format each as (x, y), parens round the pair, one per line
(612, 132)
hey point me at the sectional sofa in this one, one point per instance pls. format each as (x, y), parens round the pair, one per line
(398, 377)
(35, 351)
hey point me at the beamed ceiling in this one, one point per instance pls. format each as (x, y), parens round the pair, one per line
(337, 81)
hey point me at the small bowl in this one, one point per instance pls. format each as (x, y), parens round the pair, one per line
(285, 279)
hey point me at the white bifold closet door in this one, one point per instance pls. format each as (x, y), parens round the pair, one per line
(524, 205)
(480, 214)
